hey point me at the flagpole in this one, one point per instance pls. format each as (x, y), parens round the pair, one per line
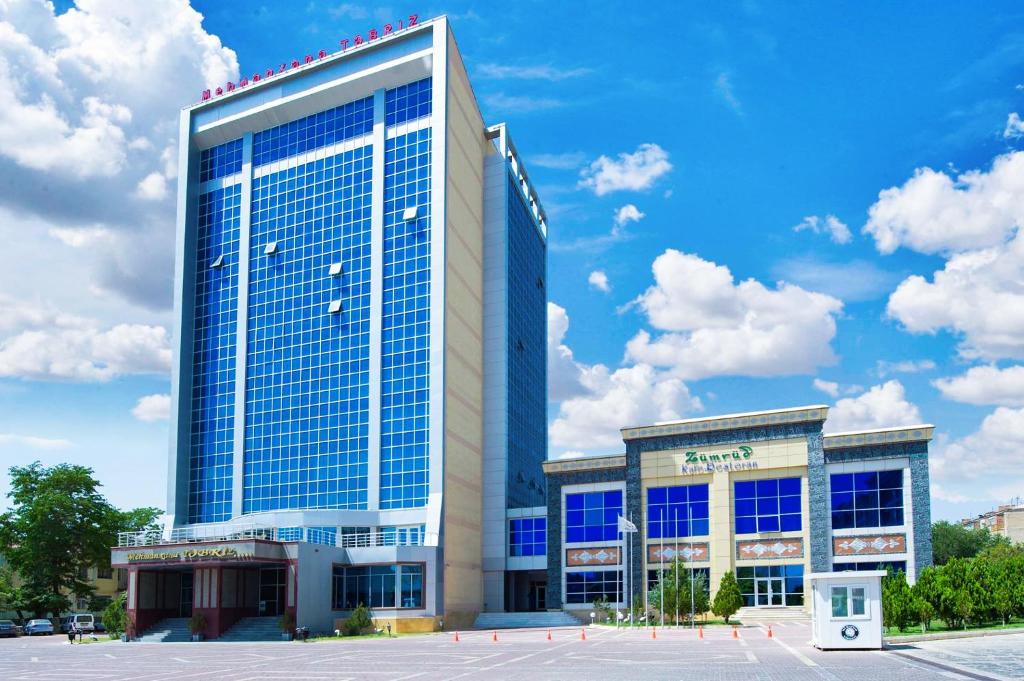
(643, 576)
(661, 573)
(689, 523)
(622, 532)
(629, 570)
(675, 531)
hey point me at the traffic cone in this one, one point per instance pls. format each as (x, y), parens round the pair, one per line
(456, 637)
(583, 634)
(735, 634)
(494, 636)
(700, 633)
(549, 634)
(770, 631)
(654, 634)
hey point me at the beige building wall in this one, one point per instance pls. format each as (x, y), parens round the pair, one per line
(463, 416)
(773, 459)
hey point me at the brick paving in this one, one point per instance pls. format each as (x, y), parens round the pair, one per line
(524, 655)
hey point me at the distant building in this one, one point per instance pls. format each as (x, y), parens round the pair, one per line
(1006, 521)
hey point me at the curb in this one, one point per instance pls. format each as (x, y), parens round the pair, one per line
(946, 635)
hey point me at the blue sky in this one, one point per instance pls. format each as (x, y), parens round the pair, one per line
(751, 206)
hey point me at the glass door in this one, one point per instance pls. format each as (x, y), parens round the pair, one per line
(185, 602)
(272, 586)
(769, 591)
(541, 593)
(775, 590)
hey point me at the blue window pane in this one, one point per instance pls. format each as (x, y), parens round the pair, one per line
(891, 516)
(865, 481)
(676, 495)
(699, 528)
(842, 501)
(746, 507)
(789, 486)
(790, 522)
(842, 482)
(698, 493)
(654, 530)
(594, 533)
(574, 501)
(768, 523)
(789, 504)
(890, 479)
(767, 488)
(767, 506)
(313, 132)
(657, 495)
(867, 518)
(842, 520)
(574, 519)
(746, 525)
(613, 499)
(890, 498)
(866, 499)
(745, 490)
(574, 534)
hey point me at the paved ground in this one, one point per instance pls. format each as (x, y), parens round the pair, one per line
(523, 655)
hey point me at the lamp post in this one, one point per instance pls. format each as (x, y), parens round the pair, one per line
(689, 524)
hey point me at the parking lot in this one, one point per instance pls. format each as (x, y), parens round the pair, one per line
(521, 654)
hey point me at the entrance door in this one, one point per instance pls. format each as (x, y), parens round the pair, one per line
(768, 590)
(272, 586)
(185, 602)
(541, 592)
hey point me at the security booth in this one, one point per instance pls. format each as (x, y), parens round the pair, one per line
(846, 610)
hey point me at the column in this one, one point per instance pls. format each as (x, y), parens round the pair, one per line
(242, 329)
(376, 301)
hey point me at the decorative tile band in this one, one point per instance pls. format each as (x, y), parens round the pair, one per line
(770, 549)
(869, 545)
(601, 555)
(658, 553)
(817, 413)
(585, 464)
(879, 437)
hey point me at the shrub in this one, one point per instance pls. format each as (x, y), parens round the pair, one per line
(197, 624)
(728, 599)
(287, 622)
(114, 617)
(358, 622)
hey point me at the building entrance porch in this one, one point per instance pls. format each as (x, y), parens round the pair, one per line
(526, 590)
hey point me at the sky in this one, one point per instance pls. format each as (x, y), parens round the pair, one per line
(751, 206)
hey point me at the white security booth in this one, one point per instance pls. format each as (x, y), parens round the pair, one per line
(846, 609)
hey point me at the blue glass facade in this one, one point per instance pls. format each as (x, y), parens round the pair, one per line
(869, 499)
(592, 516)
(405, 320)
(681, 511)
(220, 161)
(527, 536)
(312, 132)
(307, 369)
(213, 355)
(527, 355)
(767, 505)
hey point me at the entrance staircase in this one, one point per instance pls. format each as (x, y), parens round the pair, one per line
(767, 615)
(171, 630)
(524, 620)
(253, 629)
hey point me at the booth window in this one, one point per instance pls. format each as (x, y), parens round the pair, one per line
(527, 536)
(677, 511)
(378, 586)
(592, 516)
(586, 587)
(767, 505)
(873, 499)
(848, 601)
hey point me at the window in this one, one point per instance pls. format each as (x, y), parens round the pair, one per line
(677, 511)
(527, 536)
(592, 516)
(872, 499)
(849, 601)
(767, 505)
(652, 577)
(378, 586)
(893, 565)
(586, 587)
(104, 572)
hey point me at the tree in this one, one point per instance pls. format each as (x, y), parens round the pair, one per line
(674, 586)
(115, 618)
(956, 602)
(950, 540)
(897, 601)
(58, 526)
(728, 599)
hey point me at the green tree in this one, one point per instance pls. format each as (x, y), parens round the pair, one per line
(115, 618)
(952, 540)
(897, 601)
(728, 599)
(674, 588)
(58, 525)
(956, 597)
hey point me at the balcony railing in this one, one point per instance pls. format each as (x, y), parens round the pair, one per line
(197, 533)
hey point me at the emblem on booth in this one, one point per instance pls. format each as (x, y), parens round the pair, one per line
(850, 632)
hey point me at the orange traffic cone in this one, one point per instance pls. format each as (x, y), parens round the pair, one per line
(770, 631)
(456, 637)
(700, 633)
(549, 634)
(583, 634)
(654, 633)
(735, 634)
(494, 635)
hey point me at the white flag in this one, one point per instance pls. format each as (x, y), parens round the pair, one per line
(626, 526)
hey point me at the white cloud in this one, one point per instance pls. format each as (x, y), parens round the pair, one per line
(827, 387)
(908, 366)
(32, 442)
(153, 408)
(1014, 127)
(599, 280)
(977, 295)
(633, 172)
(538, 72)
(615, 399)
(723, 85)
(836, 230)
(563, 371)
(932, 213)
(628, 213)
(985, 385)
(849, 280)
(983, 466)
(503, 104)
(717, 327)
(569, 160)
(883, 406)
(153, 187)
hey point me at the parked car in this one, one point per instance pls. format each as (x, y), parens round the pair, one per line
(8, 628)
(85, 623)
(44, 627)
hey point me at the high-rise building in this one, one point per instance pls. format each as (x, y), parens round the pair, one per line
(359, 385)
